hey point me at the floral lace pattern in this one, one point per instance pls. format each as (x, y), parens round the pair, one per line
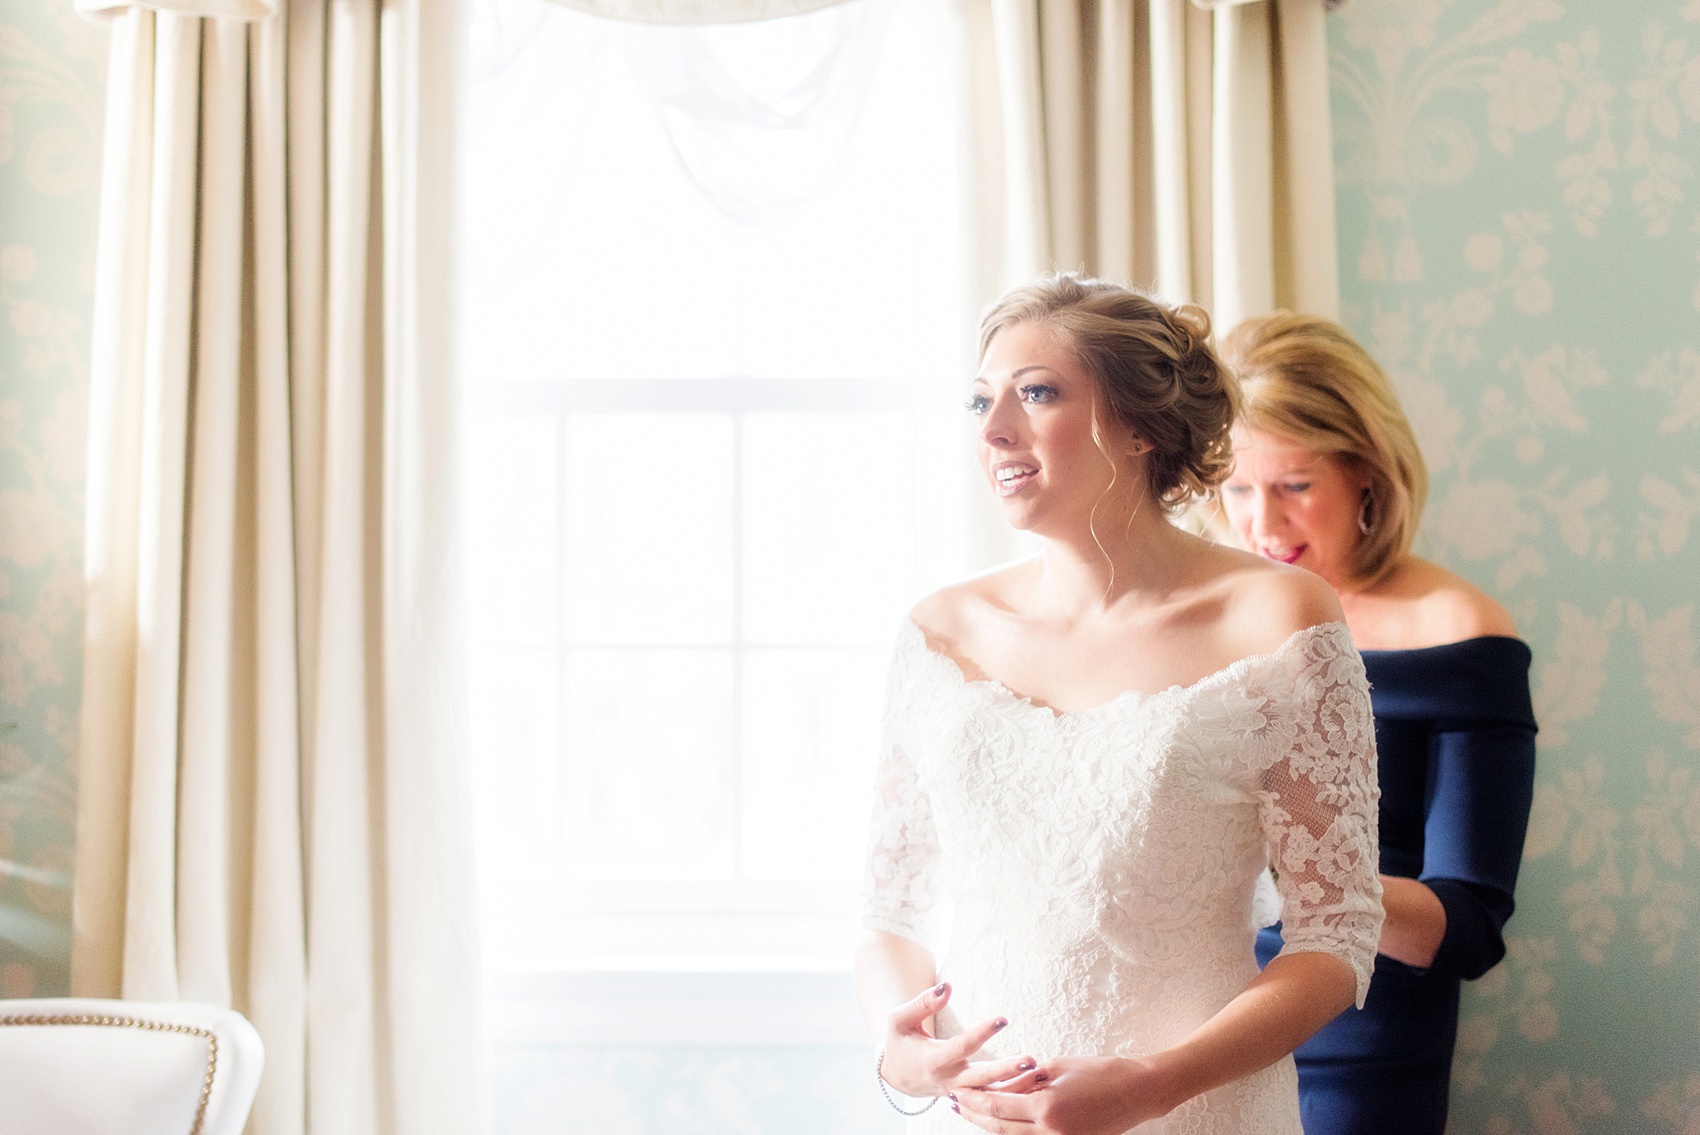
(1101, 865)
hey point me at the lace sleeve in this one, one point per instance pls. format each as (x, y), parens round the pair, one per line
(1318, 802)
(903, 848)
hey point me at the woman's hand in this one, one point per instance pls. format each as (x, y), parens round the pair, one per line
(918, 1065)
(1070, 1095)
(1416, 921)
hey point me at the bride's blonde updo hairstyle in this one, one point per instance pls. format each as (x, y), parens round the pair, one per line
(1305, 379)
(1154, 365)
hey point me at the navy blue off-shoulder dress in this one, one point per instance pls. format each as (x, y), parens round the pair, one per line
(1455, 737)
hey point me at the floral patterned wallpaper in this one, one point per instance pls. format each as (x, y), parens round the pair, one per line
(1519, 194)
(50, 110)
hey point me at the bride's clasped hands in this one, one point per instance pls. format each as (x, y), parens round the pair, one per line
(917, 1064)
(1069, 1095)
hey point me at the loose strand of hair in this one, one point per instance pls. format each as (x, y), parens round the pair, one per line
(1092, 517)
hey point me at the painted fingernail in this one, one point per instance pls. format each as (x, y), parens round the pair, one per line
(951, 1096)
(1000, 1023)
(941, 989)
(1040, 1078)
(1027, 1066)
(956, 1109)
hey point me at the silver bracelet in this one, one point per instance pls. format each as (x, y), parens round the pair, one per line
(879, 1075)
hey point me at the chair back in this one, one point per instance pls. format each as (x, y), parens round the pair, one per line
(79, 1066)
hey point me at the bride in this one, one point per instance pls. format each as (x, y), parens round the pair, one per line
(1090, 756)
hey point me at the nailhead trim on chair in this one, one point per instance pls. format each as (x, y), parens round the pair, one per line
(136, 1023)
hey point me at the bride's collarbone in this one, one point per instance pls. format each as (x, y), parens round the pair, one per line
(1080, 672)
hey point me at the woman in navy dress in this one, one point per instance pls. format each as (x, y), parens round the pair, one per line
(1328, 476)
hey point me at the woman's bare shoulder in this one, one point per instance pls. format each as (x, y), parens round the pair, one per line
(1448, 607)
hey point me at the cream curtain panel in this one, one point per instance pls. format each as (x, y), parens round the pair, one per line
(1175, 145)
(272, 799)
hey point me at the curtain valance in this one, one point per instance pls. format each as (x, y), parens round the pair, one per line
(696, 11)
(1329, 5)
(740, 11)
(635, 11)
(231, 9)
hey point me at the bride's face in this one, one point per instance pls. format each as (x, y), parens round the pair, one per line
(1035, 403)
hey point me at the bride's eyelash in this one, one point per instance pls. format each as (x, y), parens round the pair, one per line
(1037, 393)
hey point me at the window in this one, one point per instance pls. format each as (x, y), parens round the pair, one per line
(717, 331)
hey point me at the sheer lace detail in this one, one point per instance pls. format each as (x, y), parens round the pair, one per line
(1102, 864)
(1319, 804)
(903, 850)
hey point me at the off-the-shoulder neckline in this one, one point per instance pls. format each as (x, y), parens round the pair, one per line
(1239, 665)
(1471, 641)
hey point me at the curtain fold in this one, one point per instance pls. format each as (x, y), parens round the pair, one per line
(1182, 146)
(272, 781)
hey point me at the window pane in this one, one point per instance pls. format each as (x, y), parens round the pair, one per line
(515, 735)
(811, 727)
(828, 527)
(699, 262)
(648, 765)
(511, 526)
(649, 528)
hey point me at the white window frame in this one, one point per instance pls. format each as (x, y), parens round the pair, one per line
(757, 961)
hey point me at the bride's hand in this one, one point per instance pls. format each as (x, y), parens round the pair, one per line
(1069, 1095)
(918, 1065)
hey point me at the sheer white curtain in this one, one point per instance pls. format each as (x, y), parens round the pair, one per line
(271, 810)
(696, 11)
(1179, 145)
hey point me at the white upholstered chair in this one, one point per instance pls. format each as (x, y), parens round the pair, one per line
(76, 1066)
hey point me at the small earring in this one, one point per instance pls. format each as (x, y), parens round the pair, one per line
(1364, 513)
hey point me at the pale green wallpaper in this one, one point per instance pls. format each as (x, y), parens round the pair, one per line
(1519, 194)
(50, 108)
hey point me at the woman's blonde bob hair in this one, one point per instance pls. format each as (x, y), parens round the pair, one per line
(1154, 366)
(1303, 378)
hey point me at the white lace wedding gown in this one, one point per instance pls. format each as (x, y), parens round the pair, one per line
(1101, 864)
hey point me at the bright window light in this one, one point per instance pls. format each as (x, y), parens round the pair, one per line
(716, 302)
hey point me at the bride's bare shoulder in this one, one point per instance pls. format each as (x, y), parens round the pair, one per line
(950, 614)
